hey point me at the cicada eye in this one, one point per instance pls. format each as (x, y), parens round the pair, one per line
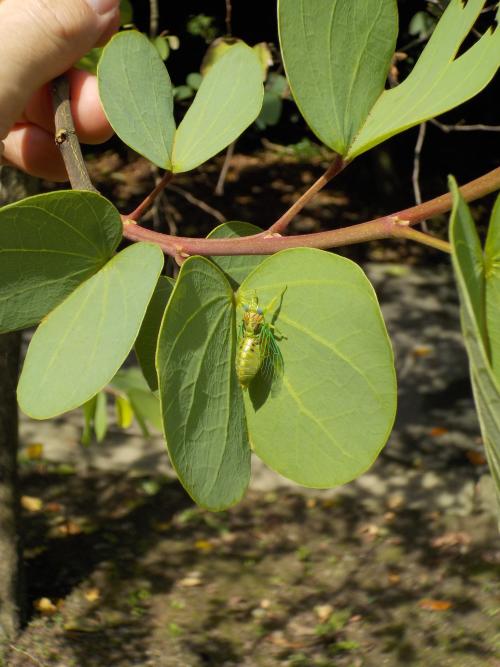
(246, 307)
(259, 311)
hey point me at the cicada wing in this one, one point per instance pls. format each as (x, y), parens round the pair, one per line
(272, 365)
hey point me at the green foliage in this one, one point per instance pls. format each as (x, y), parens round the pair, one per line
(492, 276)
(478, 319)
(203, 26)
(202, 405)
(337, 56)
(337, 404)
(228, 101)
(138, 100)
(439, 81)
(49, 244)
(236, 267)
(145, 345)
(339, 86)
(83, 342)
(137, 96)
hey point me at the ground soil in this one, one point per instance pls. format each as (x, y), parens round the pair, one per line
(400, 567)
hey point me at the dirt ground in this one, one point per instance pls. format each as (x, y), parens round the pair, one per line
(398, 568)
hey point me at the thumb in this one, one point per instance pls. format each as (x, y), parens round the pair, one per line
(40, 40)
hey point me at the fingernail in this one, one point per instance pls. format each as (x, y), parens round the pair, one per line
(102, 6)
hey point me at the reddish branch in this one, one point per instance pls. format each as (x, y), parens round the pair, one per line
(395, 225)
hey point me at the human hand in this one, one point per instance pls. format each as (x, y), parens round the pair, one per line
(39, 40)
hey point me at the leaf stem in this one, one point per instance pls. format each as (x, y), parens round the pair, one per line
(282, 223)
(148, 201)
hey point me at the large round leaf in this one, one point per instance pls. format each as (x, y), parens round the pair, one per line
(335, 407)
(202, 405)
(80, 346)
(137, 96)
(49, 244)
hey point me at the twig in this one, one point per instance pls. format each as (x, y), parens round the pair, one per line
(66, 139)
(465, 128)
(229, 12)
(198, 202)
(219, 188)
(137, 213)
(154, 16)
(282, 223)
(389, 226)
(416, 168)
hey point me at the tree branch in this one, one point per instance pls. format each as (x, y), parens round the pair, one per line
(66, 138)
(282, 223)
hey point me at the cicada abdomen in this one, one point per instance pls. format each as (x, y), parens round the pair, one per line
(257, 349)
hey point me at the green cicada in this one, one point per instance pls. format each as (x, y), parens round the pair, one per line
(258, 349)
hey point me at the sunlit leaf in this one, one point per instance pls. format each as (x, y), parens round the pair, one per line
(49, 244)
(137, 96)
(80, 346)
(227, 102)
(236, 267)
(337, 55)
(439, 81)
(492, 275)
(336, 405)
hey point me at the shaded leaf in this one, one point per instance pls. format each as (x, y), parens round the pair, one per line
(49, 244)
(492, 274)
(468, 278)
(337, 402)
(101, 417)
(88, 408)
(137, 96)
(236, 267)
(145, 345)
(202, 406)
(79, 347)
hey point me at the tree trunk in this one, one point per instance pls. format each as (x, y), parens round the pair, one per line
(10, 556)
(13, 186)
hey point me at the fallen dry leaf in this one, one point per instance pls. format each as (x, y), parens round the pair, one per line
(434, 605)
(45, 606)
(92, 594)
(31, 504)
(437, 431)
(451, 539)
(323, 612)
(204, 546)
(191, 580)
(476, 458)
(34, 451)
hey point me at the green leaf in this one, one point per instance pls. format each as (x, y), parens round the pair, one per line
(137, 96)
(227, 102)
(124, 411)
(337, 55)
(101, 417)
(80, 346)
(145, 345)
(88, 415)
(337, 402)
(146, 406)
(439, 81)
(90, 61)
(49, 244)
(161, 45)
(485, 387)
(126, 12)
(492, 274)
(236, 267)
(202, 405)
